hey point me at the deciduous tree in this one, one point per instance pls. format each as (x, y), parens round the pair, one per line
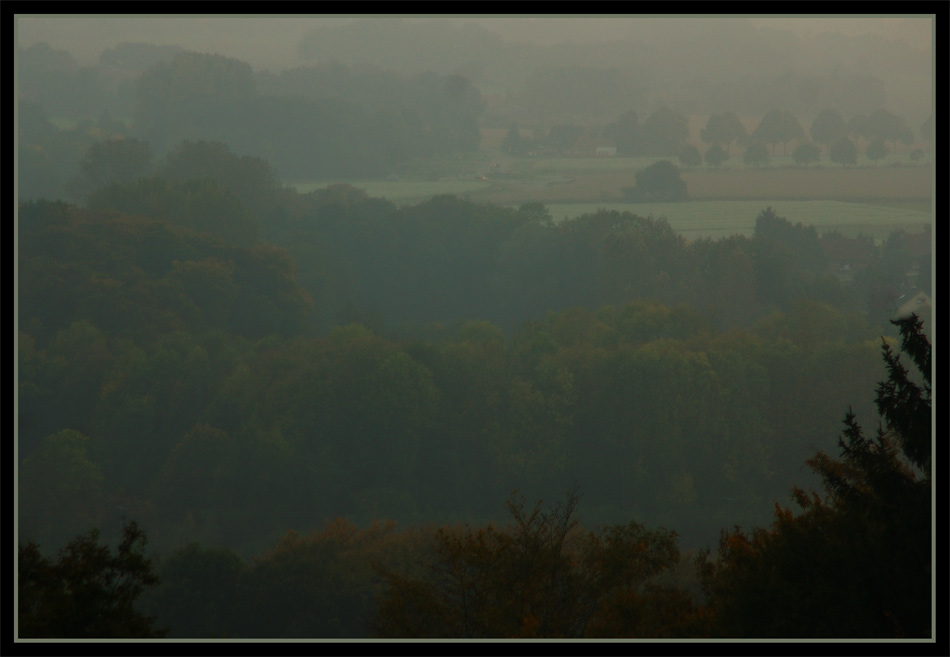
(660, 181)
(778, 127)
(806, 154)
(88, 593)
(542, 576)
(723, 130)
(827, 127)
(756, 154)
(716, 155)
(844, 152)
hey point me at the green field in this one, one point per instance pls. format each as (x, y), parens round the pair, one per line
(716, 219)
(868, 200)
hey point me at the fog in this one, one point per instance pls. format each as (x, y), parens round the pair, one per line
(895, 49)
(474, 326)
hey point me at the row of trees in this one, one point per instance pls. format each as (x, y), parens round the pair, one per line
(828, 127)
(665, 133)
(854, 564)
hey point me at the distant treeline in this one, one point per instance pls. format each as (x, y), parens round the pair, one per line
(331, 120)
(311, 123)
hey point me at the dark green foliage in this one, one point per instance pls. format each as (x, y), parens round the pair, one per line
(89, 593)
(756, 154)
(625, 131)
(663, 134)
(806, 154)
(54, 79)
(904, 404)
(61, 488)
(514, 143)
(886, 126)
(857, 565)
(722, 130)
(828, 127)
(125, 274)
(778, 127)
(316, 122)
(716, 155)
(211, 405)
(801, 241)
(167, 91)
(539, 577)
(877, 150)
(251, 179)
(690, 157)
(843, 151)
(198, 593)
(660, 181)
(113, 161)
(201, 205)
(49, 159)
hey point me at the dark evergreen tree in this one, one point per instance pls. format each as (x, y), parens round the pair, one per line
(857, 564)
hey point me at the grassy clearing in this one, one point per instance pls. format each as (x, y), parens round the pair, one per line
(717, 219)
(891, 183)
(606, 185)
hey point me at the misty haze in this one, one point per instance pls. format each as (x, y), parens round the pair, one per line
(488, 327)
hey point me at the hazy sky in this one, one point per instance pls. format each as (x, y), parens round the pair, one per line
(272, 42)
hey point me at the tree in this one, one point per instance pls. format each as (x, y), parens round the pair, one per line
(539, 577)
(204, 205)
(723, 129)
(844, 152)
(61, 488)
(660, 181)
(778, 127)
(828, 126)
(89, 593)
(514, 143)
(198, 592)
(690, 157)
(664, 133)
(756, 154)
(876, 150)
(169, 94)
(320, 584)
(113, 161)
(625, 131)
(858, 126)
(806, 154)
(886, 126)
(251, 179)
(716, 155)
(858, 563)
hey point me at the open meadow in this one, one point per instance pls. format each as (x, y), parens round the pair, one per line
(870, 200)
